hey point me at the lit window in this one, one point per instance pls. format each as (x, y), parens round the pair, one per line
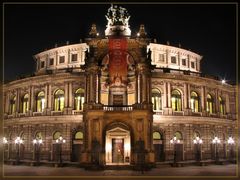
(178, 135)
(184, 62)
(59, 100)
(78, 135)
(38, 135)
(79, 99)
(157, 136)
(156, 100)
(209, 104)
(56, 135)
(40, 101)
(173, 59)
(61, 59)
(74, 57)
(221, 105)
(176, 100)
(25, 103)
(13, 105)
(194, 102)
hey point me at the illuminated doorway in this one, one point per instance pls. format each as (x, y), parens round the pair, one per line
(118, 147)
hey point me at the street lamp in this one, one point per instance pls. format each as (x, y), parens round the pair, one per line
(37, 143)
(231, 142)
(174, 141)
(18, 141)
(216, 141)
(60, 141)
(198, 141)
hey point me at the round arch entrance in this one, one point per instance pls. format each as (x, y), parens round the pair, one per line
(117, 146)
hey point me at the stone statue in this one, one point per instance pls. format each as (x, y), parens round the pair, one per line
(117, 16)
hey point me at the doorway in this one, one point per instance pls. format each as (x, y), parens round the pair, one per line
(117, 146)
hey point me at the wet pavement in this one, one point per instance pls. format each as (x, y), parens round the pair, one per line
(210, 170)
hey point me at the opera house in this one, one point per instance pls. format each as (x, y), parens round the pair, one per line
(120, 99)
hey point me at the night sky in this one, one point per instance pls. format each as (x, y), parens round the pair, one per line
(207, 29)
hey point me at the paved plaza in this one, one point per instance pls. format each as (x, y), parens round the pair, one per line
(210, 170)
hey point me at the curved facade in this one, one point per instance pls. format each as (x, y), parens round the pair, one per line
(118, 100)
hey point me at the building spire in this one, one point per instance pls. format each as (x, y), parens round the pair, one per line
(93, 32)
(142, 33)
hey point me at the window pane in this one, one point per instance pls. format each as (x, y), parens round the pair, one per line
(184, 62)
(74, 57)
(61, 59)
(51, 61)
(173, 59)
(192, 65)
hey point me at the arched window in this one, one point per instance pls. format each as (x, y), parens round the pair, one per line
(59, 100)
(176, 100)
(157, 136)
(25, 103)
(196, 134)
(221, 105)
(194, 102)
(79, 99)
(178, 135)
(40, 101)
(209, 103)
(56, 135)
(13, 105)
(38, 135)
(156, 100)
(78, 135)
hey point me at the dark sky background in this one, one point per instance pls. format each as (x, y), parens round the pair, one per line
(207, 29)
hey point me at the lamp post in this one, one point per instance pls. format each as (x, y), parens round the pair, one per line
(5, 142)
(60, 141)
(37, 144)
(174, 141)
(198, 141)
(216, 141)
(18, 141)
(231, 142)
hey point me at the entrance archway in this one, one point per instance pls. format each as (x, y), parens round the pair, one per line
(118, 146)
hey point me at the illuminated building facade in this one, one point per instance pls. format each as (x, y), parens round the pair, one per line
(118, 100)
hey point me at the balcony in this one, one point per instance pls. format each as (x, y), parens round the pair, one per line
(117, 108)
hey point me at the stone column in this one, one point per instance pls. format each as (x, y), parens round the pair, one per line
(46, 96)
(203, 98)
(50, 97)
(139, 88)
(165, 97)
(167, 53)
(185, 95)
(32, 97)
(70, 99)
(99, 87)
(216, 102)
(144, 88)
(66, 95)
(189, 95)
(136, 88)
(227, 104)
(169, 94)
(18, 101)
(188, 61)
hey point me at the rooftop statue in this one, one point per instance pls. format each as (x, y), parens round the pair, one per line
(117, 15)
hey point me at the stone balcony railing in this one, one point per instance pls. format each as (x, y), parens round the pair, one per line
(126, 108)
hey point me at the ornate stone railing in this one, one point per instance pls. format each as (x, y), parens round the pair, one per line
(117, 108)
